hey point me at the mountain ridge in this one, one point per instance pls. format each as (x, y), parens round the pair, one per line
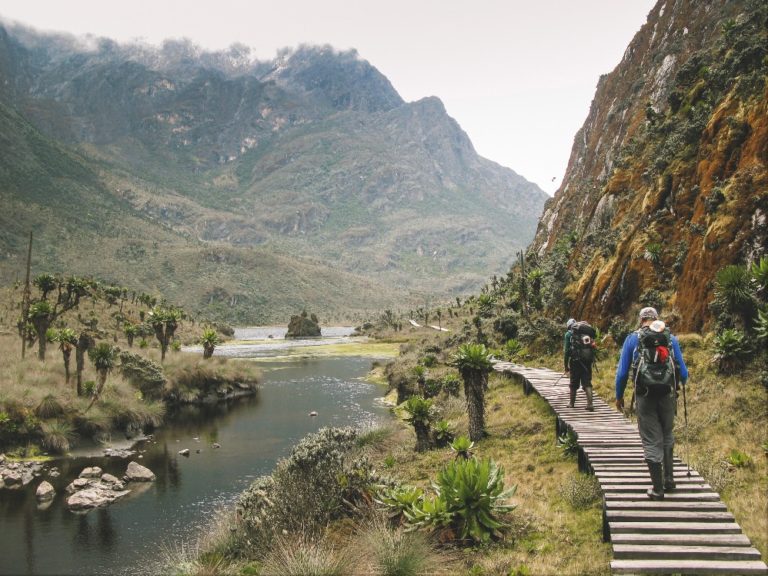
(312, 155)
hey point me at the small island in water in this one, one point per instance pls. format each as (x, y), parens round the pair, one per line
(303, 326)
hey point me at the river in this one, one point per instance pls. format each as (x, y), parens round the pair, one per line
(134, 533)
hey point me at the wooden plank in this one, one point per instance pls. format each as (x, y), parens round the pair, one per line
(620, 487)
(662, 516)
(619, 527)
(687, 552)
(687, 567)
(675, 496)
(668, 505)
(683, 539)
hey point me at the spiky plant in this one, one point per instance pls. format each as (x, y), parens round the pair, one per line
(130, 331)
(731, 351)
(164, 322)
(653, 252)
(474, 493)
(474, 365)
(462, 446)
(397, 500)
(209, 339)
(104, 357)
(442, 433)
(421, 413)
(67, 340)
(733, 293)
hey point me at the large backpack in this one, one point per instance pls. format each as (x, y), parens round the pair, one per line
(583, 342)
(654, 362)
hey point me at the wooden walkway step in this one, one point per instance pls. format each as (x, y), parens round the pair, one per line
(689, 532)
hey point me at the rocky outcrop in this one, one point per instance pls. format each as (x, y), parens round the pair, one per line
(303, 326)
(667, 178)
(94, 489)
(14, 475)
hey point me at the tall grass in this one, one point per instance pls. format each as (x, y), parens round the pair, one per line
(300, 555)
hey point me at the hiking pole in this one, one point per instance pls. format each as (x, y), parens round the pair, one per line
(558, 380)
(687, 446)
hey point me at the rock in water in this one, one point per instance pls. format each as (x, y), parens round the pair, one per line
(45, 492)
(302, 326)
(92, 472)
(138, 473)
(184, 452)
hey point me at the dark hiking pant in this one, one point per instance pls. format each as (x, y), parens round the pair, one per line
(656, 422)
(581, 374)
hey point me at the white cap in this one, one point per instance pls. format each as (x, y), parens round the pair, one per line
(570, 322)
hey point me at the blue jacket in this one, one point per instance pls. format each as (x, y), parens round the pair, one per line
(628, 355)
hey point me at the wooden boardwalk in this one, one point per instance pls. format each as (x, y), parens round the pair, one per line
(691, 531)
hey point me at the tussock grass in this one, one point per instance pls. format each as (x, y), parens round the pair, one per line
(387, 551)
(302, 555)
(57, 435)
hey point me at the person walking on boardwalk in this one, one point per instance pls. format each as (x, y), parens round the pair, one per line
(578, 356)
(652, 357)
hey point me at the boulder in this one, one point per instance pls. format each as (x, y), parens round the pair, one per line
(109, 479)
(94, 497)
(45, 492)
(184, 452)
(77, 484)
(118, 452)
(138, 473)
(11, 478)
(91, 472)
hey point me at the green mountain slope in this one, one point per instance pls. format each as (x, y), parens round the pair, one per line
(313, 157)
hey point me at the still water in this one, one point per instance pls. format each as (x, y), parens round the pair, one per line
(131, 535)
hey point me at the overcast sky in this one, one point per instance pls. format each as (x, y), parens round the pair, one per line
(518, 75)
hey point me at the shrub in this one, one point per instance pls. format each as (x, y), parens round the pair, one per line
(506, 326)
(451, 383)
(428, 360)
(569, 443)
(313, 486)
(739, 459)
(652, 297)
(581, 491)
(143, 373)
(619, 329)
(432, 387)
(442, 433)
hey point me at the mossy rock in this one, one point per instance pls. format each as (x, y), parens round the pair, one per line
(303, 326)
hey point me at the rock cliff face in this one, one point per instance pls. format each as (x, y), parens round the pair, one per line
(667, 180)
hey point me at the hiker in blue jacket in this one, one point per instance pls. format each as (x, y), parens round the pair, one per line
(655, 393)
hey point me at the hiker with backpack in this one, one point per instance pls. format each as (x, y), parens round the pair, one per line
(651, 356)
(579, 355)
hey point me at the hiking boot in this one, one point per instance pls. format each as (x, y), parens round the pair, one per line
(588, 392)
(572, 399)
(669, 470)
(656, 492)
